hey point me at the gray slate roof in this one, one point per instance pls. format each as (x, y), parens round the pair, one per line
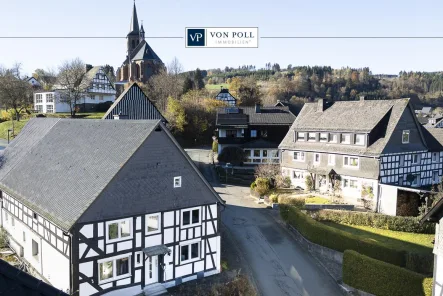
(434, 138)
(268, 115)
(143, 52)
(57, 167)
(346, 116)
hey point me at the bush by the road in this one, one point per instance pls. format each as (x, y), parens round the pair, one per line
(396, 223)
(381, 278)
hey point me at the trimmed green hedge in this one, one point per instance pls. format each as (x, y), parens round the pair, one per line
(298, 202)
(339, 240)
(382, 279)
(396, 223)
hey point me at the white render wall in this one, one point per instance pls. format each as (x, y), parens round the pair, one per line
(173, 235)
(50, 262)
(60, 107)
(388, 200)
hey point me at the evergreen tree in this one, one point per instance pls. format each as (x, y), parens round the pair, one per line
(198, 79)
(188, 84)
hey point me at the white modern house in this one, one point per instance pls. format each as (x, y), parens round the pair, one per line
(100, 90)
(125, 212)
(367, 151)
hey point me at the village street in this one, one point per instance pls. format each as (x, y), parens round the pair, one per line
(277, 264)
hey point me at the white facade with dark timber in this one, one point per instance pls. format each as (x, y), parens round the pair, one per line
(376, 150)
(133, 104)
(147, 216)
(100, 90)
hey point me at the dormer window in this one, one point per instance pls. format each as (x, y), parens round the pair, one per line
(323, 137)
(359, 140)
(300, 136)
(405, 137)
(177, 182)
(311, 137)
(345, 139)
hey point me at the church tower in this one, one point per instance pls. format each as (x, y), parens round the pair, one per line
(133, 38)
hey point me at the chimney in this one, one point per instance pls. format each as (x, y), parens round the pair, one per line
(88, 67)
(257, 108)
(320, 105)
(362, 98)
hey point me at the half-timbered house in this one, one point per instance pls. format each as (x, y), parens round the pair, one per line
(99, 94)
(100, 206)
(225, 96)
(372, 153)
(133, 104)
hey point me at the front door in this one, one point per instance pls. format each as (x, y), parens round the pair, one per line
(151, 270)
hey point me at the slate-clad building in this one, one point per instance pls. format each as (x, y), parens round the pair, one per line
(133, 104)
(258, 130)
(119, 206)
(366, 151)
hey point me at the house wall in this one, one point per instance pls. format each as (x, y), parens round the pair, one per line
(53, 260)
(395, 166)
(438, 260)
(387, 200)
(368, 166)
(94, 246)
(274, 133)
(61, 107)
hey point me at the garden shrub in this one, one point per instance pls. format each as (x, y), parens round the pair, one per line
(381, 278)
(215, 146)
(253, 185)
(273, 198)
(233, 155)
(309, 183)
(296, 202)
(3, 238)
(396, 223)
(262, 186)
(339, 240)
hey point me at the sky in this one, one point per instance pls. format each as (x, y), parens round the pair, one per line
(273, 17)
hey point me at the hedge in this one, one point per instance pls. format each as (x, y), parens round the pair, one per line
(339, 240)
(382, 279)
(298, 202)
(396, 223)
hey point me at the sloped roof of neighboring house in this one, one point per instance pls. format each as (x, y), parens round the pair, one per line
(423, 119)
(59, 167)
(434, 214)
(19, 283)
(434, 138)
(135, 104)
(347, 116)
(426, 110)
(268, 115)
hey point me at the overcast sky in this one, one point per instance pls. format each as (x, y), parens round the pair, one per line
(274, 18)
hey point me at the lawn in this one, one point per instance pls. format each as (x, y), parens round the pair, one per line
(18, 125)
(317, 200)
(413, 242)
(216, 86)
(95, 115)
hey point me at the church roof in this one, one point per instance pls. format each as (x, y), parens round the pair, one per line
(134, 28)
(143, 52)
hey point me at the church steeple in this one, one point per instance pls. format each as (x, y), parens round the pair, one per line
(134, 29)
(142, 32)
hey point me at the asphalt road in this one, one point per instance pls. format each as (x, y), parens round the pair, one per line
(278, 264)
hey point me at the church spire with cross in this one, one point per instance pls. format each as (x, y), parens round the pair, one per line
(134, 28)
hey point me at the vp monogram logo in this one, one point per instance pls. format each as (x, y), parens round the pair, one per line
(196, 37)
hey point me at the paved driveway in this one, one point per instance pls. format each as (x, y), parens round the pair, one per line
(279, 266)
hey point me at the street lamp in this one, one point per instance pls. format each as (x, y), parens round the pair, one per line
(9, 131)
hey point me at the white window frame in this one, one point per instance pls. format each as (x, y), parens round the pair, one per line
(331, 157)
(436, 158)
(300, 136)
(324, 135)
(108, 240)
(47, 109)
(319, 158)
(49, 98)
(315, 137)
(190, 217)
(355, 181)
(345, 136)
(114, 268)
(302, 159)
(415, 182)
(142, 259)
(405, 132)
(189, 243)
(362, 137)
(253, 133)
(435, 181)
(349, 161)
(331, 138)
(159, 216)
(418, 158)
(179, 179)
(38, 98)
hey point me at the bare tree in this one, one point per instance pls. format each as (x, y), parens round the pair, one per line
(72, 83)
(15, 91)
(175, 67)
